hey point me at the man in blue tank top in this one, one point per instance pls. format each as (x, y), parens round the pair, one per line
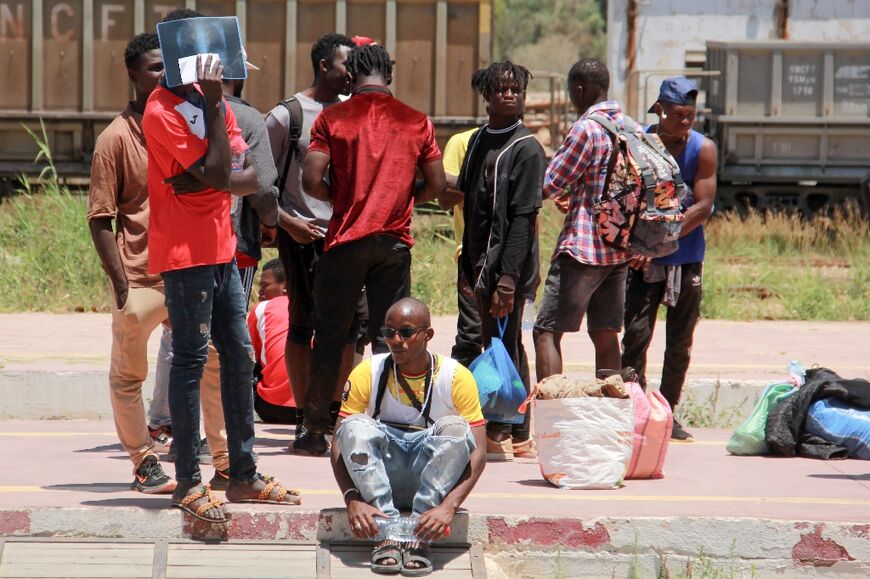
(675, 280)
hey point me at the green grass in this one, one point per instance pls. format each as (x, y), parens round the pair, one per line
(781, 268)
(761, 267)
(47, 261)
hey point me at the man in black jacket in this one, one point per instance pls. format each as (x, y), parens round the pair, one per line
(501, 179)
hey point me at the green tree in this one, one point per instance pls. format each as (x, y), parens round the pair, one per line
(549, 34)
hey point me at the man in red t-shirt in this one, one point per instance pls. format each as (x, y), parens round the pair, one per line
(192, 138)
(371, 145)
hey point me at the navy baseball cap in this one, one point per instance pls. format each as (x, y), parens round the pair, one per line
(677, 90)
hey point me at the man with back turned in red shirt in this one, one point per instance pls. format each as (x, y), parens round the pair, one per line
(371, 146)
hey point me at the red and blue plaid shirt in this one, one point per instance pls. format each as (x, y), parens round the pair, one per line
(579, 169)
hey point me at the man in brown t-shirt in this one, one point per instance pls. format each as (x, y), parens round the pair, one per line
(119, 192)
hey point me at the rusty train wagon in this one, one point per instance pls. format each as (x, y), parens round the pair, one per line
(792, 120)
(62, 61)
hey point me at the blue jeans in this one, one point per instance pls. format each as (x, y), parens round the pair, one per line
(394, 469)
(208, 301)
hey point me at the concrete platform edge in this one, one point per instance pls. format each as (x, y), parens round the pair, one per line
(74, 395)
(804, 543)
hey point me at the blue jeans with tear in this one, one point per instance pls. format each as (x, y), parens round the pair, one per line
(208, 301)
(397, 470)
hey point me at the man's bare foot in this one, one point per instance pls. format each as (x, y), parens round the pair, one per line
(198, 501)
(262, 490)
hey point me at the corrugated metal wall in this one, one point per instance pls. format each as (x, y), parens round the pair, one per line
(67, 55)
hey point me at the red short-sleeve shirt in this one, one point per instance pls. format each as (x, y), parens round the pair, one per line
(195, 228)
(375, 144)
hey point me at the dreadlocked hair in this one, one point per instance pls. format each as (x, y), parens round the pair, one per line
(490, 79)
(370, 60)
(139, 45)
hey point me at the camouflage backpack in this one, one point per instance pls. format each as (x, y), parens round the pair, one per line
(639, 208)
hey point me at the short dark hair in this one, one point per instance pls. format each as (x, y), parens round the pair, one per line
(327, 46)
(488, 80)
(139, 45)
(181, 14)
(590, 71)
(370, 60)
(274, 265)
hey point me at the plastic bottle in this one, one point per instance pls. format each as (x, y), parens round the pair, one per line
(397, 528)
(530, 313)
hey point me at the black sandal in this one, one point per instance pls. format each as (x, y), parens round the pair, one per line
(419, 554)
(387, 550)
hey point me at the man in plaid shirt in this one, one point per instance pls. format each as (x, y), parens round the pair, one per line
(585, 275)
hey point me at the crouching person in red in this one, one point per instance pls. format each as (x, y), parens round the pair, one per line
(268, 324)
(410, 436)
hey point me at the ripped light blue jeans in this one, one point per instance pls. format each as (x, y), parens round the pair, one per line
(396, 470)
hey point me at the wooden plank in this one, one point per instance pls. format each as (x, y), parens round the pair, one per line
(242, 547)
(161, 553)
(79, 552)
(66, 571)
(478, 562)
(46, 559)
(324, 568)
(252, 561)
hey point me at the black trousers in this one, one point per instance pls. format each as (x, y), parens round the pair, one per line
(469, 343)
(642, 301)
(513, 343)
(382, 264)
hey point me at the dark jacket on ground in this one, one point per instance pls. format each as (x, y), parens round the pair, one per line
(785, 434)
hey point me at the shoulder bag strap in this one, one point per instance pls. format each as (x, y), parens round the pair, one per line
(382, 385)
(294, 108)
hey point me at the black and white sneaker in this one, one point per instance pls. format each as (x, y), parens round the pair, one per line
(680, 434)
(150, 478)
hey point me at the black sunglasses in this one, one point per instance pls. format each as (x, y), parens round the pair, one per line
(405, 332)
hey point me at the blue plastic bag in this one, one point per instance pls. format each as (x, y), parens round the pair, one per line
(499, 384)
(844, 425)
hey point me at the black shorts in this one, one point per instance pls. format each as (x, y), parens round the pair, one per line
(300, 264)
(575, 289)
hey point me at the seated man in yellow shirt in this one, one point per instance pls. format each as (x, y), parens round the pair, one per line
(410, 435)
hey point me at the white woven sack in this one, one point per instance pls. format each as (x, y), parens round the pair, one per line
(584, 443)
